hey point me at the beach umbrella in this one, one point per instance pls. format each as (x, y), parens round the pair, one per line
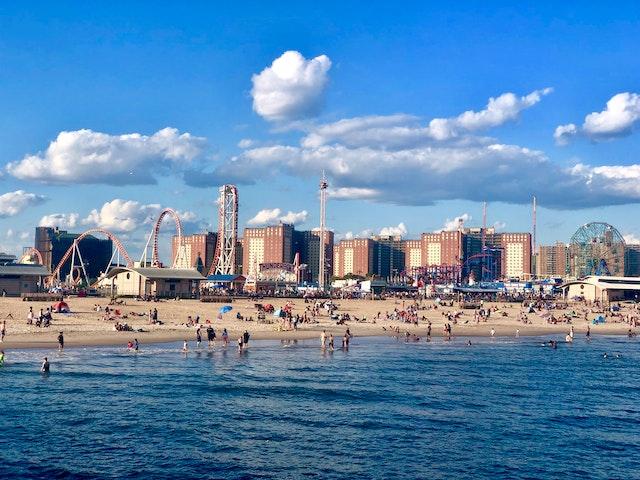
(226, 309)
(277, 313)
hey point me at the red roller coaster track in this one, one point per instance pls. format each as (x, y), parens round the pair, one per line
(83, 235)
(155, 261)
(33, 252)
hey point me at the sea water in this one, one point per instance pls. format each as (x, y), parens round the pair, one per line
(500, 408)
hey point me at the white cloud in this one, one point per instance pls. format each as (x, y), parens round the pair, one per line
(291, 88)
(399, 230)
(618, 118)
(61, 220)
(631, 238)
(10, 233)
(453, 224)
(564, 133)
(24, 235)
(13, 203)
(498, 225)
(351, 193)
(122, 215)
(404, 131)
(246, 143)
(295, 218)
(85, 156)
(274, 216)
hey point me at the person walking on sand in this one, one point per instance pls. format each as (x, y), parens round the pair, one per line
(3, 332)
(60, 341)
(30, 316)
(45, 366)
(323, 339)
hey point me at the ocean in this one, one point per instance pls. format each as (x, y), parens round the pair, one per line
(384, 409)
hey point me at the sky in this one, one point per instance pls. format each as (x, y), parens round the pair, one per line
(110, 112)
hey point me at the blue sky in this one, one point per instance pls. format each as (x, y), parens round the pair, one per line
(156, 97)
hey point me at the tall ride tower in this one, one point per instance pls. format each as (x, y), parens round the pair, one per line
(224, 262)
(322, 281)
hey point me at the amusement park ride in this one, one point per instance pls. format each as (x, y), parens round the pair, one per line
(224, 262)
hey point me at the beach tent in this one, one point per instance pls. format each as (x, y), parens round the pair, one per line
(278, 313)
(598, 319)
(226, 309)
(60, 307)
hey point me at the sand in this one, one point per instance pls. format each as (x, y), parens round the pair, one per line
(85, 327)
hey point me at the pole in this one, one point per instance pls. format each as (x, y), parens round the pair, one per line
(323, 201)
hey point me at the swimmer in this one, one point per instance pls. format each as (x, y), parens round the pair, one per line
(45, 366)
(130, 345)
(605, 355)
(568, 338)
(1, 358)
(468, 343)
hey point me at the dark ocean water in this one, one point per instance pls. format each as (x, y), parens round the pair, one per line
(502, 408)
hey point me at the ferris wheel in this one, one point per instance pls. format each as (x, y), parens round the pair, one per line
(597, 248)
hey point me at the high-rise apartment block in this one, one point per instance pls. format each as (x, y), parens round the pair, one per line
(197, 251)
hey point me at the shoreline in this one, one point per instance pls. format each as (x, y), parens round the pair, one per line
(76, 340)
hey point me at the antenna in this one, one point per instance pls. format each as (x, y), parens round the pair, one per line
(323, 213)
(534, 225)
(484, 225)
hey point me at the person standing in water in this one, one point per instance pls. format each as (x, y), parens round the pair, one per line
(240, 343)
(323, 339)
(45, 366)
(225, 337)
(1, 358)
(60, 341)
(588, 332)
(429, 332)
(136, 345)
(185, 346)
(198, 338)
(245, 339)
(211, 335)
(331, 341)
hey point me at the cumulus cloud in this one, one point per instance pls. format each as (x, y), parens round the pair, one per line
(498, 225)
(618, 119)
(399, 230)
(85, 156)
(564, 133)
(61, 220)
(273, 216)
(291, 87)
(13, 203)
(405, 131)
(631, 238)
(120, 215)
(453, 224)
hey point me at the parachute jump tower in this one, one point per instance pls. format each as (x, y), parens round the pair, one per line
(322, 281)
(224, 262)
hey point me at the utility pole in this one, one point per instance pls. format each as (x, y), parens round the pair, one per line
(323, 204)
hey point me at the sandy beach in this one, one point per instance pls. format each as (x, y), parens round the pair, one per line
(85, 326)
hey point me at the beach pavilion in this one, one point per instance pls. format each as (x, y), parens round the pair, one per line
(153, 282)
(603, 289)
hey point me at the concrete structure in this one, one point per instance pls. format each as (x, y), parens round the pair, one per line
(53, 243)
(19, 278)
(632, 260)
(198, 251)
(272, 244)
(307, 244)
(603, 289)
(353, 257)
(516, 257)
(552, 260)
(442, 248)
(152, 282)
(388, 255)
(412, 254)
